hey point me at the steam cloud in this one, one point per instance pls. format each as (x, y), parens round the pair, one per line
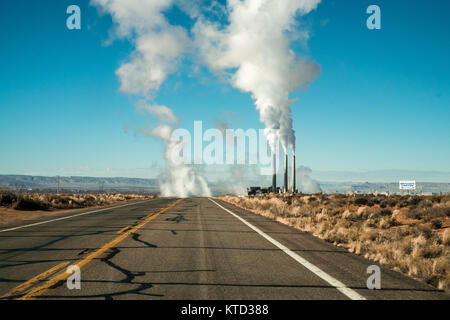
(251, 51)
(236, 177)
(254, 48)
(158, 48)
(178, 179)
(307, 185)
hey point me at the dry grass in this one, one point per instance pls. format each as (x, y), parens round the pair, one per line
(48, 201)
(410, 234)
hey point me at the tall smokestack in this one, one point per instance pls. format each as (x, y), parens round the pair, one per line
(286, 172)
(274, 173)
(293, 173)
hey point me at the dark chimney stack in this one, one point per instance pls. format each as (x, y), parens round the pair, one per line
(293, 173)
(274, 173)
(286, 173)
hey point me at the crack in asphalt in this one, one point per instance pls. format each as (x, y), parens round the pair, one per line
(135, 236)
(129, 275)
(177, 219)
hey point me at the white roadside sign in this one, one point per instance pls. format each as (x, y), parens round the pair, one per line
(407, 185)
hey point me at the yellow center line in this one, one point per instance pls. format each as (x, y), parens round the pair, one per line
(64, 275)
(24, 286)
(123, 229)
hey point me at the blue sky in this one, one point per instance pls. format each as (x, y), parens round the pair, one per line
(381, 101)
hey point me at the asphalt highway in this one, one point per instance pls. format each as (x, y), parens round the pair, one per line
(194, 248)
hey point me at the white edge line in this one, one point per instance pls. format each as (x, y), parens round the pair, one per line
(73, 216)
(316, 270)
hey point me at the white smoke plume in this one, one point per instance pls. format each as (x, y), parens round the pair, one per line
(158, 48)
(234, 178)
(159, 45)
(306, 184)
(178, 179)
(254, 47)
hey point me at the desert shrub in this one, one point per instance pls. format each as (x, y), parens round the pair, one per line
(445, 198)
(423, 230)
(428, 214)
(391, 202)
(89, 201)
(350, 215)
(361, 201)
(436, 199)
(414, 213)
(414, 200)
(387, 222)
(436, 212)
(280, 211)
(30, 204)
(375, 200)
(425, 204)
(436, 224)
(7, 198)
(403, 204)
(369, 235)
(380, 213)
(446, 237)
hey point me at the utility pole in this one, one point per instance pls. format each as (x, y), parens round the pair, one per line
(57, 190)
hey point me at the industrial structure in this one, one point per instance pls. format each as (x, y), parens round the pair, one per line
(273, 187)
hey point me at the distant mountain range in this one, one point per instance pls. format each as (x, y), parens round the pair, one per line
(376, 176)
(24, 182)
(75, 183)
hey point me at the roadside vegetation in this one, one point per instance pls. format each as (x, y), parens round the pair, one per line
(410, 234)
(50, 201)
